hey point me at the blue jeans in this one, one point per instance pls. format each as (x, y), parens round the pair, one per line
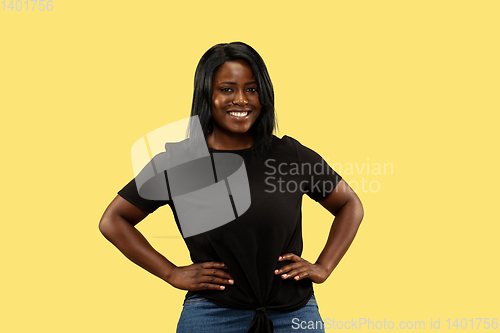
(201, 315)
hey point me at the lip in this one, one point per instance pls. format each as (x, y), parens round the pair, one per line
(239, 110)
(239, 118)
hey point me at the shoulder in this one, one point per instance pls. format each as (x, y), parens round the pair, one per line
(293, 147)
(284, 141)
(287, 143)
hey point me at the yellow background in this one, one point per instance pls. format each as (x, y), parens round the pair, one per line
(410, 83)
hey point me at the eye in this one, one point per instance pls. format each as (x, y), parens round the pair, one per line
(254, 90)
(226, 89)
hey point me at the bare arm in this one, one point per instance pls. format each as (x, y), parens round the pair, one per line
(118, 226)
(345, 205)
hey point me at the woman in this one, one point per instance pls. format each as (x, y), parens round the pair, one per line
(247, 275)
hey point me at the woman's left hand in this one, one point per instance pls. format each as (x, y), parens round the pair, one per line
(301, 268)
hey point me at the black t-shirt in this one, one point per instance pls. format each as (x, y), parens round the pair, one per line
(272, 226)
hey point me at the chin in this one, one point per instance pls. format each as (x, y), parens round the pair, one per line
(243, 130)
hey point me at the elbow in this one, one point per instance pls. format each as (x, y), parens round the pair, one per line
(103, 226)
(360, 211)
(106, 226)
(113, 226)
(355, 208)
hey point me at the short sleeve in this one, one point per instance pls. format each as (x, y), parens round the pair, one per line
(318, 178)
(130, 193)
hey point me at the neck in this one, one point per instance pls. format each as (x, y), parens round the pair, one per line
(229, 141)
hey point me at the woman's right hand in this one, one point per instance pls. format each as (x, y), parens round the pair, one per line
(211, 275)
(118, 226)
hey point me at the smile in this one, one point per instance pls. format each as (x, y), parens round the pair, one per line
(239, 114)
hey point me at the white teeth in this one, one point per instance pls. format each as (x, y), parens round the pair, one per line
(238, 114)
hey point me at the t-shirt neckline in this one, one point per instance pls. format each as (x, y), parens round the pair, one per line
(230, 150)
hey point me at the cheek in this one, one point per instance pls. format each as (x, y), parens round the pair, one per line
(258, 106)
(217, 102)
(257, 102)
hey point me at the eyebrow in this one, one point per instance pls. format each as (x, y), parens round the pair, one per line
(246, 84)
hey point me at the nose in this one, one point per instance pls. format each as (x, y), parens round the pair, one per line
(240, 98)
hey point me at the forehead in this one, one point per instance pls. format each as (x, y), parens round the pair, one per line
(234, 70)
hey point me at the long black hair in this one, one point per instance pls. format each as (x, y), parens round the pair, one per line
(217, 55)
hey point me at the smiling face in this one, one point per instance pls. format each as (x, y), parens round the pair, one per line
(235, 100)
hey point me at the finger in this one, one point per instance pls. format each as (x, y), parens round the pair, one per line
(216, 272)
(303, 275)
(290, 256)
(294, 272)
(284, 269)
(213, 264)
(209, 286)
(214, 279)
(222, 276)
(289, 267)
